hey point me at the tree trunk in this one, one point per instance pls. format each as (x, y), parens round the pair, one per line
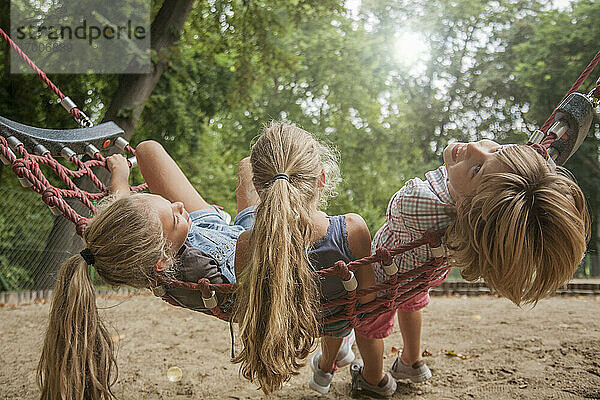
(125, 109)
(134, 89)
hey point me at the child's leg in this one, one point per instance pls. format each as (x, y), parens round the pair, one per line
(367, 374)
(409, 364)
(322, 364)
(165, 178)
(329, 347)
(371, 351)
(410, 321)
(245, 191)
(410, 326)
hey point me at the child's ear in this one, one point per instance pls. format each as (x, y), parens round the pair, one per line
(322, 179)
(161, 265)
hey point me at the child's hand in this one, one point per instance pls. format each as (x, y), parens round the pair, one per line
(117, 165)
(119, 169)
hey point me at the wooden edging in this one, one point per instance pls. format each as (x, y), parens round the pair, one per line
(573, 288)
(43, 296)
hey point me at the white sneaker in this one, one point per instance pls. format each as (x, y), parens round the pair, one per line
(345, 354)
(321, 380)
(418, 372)
(359, 384)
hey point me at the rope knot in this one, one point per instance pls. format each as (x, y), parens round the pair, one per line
(81, 226)
(205, 287)
(20, 167)
(384, 255)
(433, 238)
(341, 269)
(50, 196)
(209, 297)
(541, 150)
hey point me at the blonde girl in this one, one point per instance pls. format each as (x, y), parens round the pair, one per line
(170, 230)
(278, 295)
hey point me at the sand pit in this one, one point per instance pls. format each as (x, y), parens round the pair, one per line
(550, 352)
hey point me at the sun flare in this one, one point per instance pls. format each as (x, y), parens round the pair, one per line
(411, 48)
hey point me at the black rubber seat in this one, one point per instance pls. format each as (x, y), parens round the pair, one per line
(56, 139)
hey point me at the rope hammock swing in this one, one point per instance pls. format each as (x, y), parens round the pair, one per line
(557, 140)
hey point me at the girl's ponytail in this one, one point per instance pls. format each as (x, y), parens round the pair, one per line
(77, 359)
(278, 297)
(278, 326)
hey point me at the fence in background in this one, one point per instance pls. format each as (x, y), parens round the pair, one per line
(26, 224)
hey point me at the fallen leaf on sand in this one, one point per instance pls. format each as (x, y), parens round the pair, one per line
(452, 353)
(426, 353)
(395, 350)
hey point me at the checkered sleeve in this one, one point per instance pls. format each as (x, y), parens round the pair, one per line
(397, 209)
(417, 207)
(421, 210)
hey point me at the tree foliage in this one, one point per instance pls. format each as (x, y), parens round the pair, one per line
(492, 69)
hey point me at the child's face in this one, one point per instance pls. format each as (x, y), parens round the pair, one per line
(468, 163)
(174, 218)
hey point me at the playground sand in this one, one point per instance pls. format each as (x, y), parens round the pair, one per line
(480, 348)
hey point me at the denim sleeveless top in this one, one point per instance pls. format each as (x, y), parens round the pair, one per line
(327, 251)
(208, 252)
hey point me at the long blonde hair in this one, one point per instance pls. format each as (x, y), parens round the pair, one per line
(277, 294)
(524, 231)
(77, 360)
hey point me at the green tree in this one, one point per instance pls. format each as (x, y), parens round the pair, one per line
(497, 69)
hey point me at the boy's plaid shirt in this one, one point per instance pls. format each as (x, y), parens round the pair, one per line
(417, 207)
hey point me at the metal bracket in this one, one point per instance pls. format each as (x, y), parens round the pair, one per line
(573, 119)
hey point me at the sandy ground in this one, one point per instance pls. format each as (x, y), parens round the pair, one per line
(550, 352)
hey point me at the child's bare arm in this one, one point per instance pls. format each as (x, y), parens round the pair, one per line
(119, 179)
(359, 239)
(242, 253)
(165, 178)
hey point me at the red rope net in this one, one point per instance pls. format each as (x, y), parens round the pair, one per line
(397, 289)
(26, 167)
(394, 291)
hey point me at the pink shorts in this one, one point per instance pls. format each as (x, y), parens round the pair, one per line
(383, 325)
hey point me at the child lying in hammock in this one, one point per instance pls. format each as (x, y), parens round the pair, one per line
(512, 219)
(133, 238)
(174, 231)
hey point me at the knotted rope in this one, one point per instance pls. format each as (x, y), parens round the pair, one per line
(394, 291)
(26, 167)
